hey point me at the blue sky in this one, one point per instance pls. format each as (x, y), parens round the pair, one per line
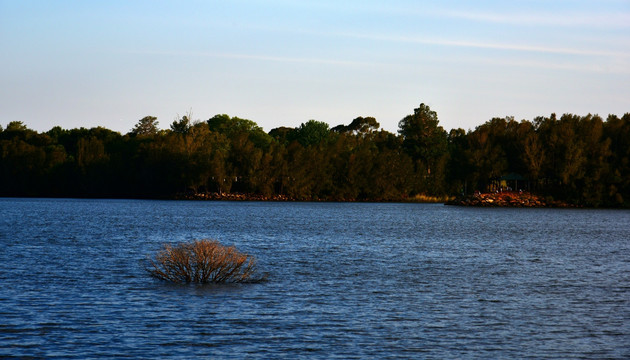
(281, 63)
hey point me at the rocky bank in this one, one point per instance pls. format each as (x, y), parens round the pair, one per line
(507, 199)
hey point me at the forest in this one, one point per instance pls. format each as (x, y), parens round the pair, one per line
(583, 160)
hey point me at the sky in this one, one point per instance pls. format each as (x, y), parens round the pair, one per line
(281, 63)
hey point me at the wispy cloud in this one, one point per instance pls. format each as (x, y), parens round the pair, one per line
(287, 59)
(567, 14)
(618, 66)
(599, 20)
(487, 45)
(611, 67)
(237, 56)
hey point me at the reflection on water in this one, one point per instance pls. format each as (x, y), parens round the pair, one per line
(345, 281)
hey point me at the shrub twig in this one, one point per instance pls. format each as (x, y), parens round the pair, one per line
(202, 261)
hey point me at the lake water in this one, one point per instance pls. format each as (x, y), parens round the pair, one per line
(346, 280)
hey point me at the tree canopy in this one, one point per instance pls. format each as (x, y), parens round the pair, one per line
(580, 159)
(146, 126)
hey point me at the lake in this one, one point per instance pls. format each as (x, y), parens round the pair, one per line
(345, 280)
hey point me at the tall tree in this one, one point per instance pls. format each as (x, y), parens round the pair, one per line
(146, 126)
(182, 125)
(312, 133)
(426, 142)
(423, 138)
(234, 127)
(458, 173)
(532, 153)
(617, 130)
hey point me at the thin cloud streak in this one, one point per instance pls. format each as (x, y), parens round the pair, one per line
(290, 59)
(618, 20)
(572, 19)
(617, 67)
(494, 46)
(284, 59)
(614, 68)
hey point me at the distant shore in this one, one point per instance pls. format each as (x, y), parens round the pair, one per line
(258, 197)
(232, 197)
(508, 199)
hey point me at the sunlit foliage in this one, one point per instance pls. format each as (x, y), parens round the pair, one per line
(202, 261)
(580, 159)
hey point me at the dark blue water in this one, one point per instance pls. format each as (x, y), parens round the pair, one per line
(345, 281)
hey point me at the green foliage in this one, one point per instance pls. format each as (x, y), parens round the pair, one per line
(312, 133)
(235, 127)
(423, 138)
(359, 125)
(283, 134)
(427, 144)
(579, 159)
(146, 126)
(16, 126)
(181, 126)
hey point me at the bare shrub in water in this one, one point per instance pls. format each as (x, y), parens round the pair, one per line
(202, 261)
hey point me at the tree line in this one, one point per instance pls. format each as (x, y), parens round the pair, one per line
(583, 160)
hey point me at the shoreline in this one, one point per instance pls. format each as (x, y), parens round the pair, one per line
(504, 199)
(285, 198)
(509, 199)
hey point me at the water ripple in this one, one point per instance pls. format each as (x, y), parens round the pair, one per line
(348, 281)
